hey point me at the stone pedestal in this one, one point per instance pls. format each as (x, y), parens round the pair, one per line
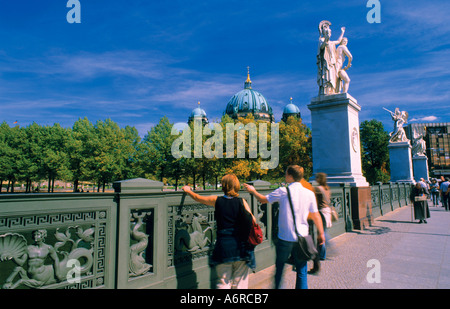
(361, 207)
(335, 139)
(400, 161)
(420, 167)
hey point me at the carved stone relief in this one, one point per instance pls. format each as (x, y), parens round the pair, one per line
(33, 269)
(138, 265)
(65, 250)
(192, 231)
(261, 219)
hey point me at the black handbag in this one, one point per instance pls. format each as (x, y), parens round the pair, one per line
(304, 249)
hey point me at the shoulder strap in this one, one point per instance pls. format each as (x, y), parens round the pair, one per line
(292, 209)
(245, 210)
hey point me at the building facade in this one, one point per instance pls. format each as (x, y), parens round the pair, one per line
(437, 139)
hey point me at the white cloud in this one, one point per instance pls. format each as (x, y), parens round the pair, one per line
(427, 118)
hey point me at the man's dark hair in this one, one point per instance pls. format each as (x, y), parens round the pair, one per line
(295, 171)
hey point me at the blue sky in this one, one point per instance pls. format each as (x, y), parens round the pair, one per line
(136, 61)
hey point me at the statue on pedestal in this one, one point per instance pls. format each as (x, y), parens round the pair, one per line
(400, 118)
(330, 61)
(418, 145)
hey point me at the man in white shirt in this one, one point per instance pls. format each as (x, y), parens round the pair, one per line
(304, 204)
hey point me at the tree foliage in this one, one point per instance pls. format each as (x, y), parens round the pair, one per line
(102, 153)
(374, 151)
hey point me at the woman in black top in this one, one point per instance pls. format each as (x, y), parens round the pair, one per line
(233, 256)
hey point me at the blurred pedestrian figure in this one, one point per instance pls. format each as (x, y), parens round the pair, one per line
(445, 193)
(418, 197)
(232, 256)
(423, 183)
(323, 197)
(304, 204)
(434, 187)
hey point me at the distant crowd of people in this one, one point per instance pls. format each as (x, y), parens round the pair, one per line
(437, 190)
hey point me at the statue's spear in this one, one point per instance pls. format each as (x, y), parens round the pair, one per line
(387, 110)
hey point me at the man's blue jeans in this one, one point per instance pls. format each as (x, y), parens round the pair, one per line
(284, 249)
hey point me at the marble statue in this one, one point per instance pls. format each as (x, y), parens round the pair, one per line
(418, 145)
(342, 53)
(400, 118)
(329, 63)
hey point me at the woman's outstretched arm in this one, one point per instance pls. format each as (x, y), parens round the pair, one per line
(206, 200)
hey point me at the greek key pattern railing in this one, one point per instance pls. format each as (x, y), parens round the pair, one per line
(35, 221)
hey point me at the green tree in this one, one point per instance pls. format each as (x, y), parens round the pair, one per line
(374, 151)
(130, 153)
(80, 149)
(155, 155)
(7, 154)
(31, 158)
(295, 148)
(54, 163)
(191, 167)
(109, 152)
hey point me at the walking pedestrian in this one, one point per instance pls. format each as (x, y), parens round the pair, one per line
(323, 197)
(440, 181)
(434, 187)
(445, 193)
(421, 210)
(423, 183)
(304, 203)
(233, 256)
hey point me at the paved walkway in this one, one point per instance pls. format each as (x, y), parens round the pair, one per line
(410, 255)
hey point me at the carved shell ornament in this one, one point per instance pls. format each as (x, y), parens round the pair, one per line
(12, 245)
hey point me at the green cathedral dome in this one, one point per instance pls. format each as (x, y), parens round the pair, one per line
(290, 110)
(198, 113)
(249, 101)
